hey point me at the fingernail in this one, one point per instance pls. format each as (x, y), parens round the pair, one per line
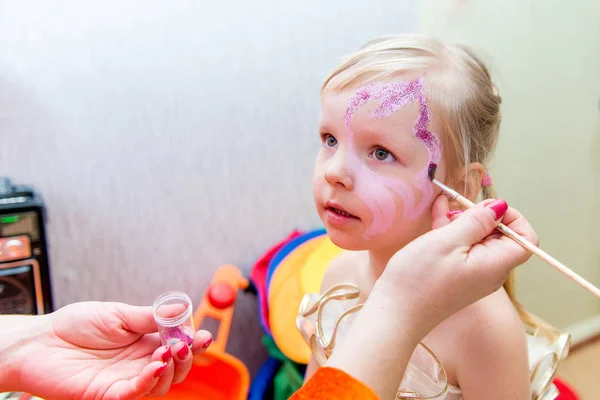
(183, 352)
(166, 357)
(208, 342)
(499, 206)
(453, 214)
(160, 371)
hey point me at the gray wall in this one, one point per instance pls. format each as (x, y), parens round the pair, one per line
(170, 137)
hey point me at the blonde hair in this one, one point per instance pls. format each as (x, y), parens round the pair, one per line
(459, 84)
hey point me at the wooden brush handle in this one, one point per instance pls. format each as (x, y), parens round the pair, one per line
(524, 242)
(549, 259)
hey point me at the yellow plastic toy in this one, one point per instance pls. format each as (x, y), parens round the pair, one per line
(299, 273)
(311, 274)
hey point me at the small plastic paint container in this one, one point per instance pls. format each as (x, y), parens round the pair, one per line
(173, 315)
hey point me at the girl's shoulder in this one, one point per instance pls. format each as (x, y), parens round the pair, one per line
(489, 348)
(495, 310)
(479, 330)
(488, 327)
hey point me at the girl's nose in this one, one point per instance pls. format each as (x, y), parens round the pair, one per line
(337, 171)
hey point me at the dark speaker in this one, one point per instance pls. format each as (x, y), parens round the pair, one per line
(24, 267)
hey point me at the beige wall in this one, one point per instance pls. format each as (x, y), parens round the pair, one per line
(545, 56)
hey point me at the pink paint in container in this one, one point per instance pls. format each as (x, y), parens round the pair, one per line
(173, 315)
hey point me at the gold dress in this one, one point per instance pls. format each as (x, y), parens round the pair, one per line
(324, 319)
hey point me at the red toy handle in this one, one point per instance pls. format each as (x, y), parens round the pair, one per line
(219, 303)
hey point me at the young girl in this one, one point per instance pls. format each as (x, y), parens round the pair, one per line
(401, 110)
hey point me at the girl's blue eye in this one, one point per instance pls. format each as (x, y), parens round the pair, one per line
(382, 154)
(330, 141)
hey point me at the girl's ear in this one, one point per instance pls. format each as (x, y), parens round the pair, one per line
(467, 182)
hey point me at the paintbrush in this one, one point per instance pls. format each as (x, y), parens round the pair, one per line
(523, 242)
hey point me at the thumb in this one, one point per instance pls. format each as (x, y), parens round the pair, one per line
(476, 223)
(138, 319)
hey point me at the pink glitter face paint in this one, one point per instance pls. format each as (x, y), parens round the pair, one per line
(173, 316)
(395, 96)
(374, 189)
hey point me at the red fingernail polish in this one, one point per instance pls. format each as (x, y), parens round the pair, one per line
(453, 213)
(166, 357)
(499, 206)
(160, 371)
(183, 352)
(208, 342)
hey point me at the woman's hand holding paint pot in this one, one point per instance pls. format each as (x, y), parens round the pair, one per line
(94, 350)
(460, 261)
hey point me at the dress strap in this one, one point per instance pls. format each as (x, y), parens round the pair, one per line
(322, 345)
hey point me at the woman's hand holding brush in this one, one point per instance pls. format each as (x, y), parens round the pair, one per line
(510, 233)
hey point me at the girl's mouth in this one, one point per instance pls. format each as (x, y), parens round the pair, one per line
(341, 212)
(336, 215)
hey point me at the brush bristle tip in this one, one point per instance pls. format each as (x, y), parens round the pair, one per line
(431, 171)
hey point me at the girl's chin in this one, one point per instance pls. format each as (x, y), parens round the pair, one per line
(357, 240)
(346, 240)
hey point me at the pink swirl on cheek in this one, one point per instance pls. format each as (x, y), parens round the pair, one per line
(375, 191)
(423, 183)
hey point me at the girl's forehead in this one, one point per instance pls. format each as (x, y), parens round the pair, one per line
(335, 105)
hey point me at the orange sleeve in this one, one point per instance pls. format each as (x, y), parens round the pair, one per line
(331, 383)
